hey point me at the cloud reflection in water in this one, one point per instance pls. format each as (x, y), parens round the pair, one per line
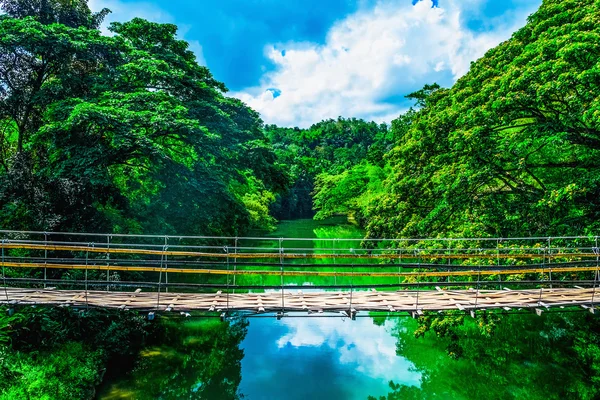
(321, 358)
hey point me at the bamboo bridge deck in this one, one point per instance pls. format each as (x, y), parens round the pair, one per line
(268, 275)
(316, 302)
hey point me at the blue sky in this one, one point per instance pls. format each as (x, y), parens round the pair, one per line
(298, 62)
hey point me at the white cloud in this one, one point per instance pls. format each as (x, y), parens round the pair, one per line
(360, 344)
(122, 12)
(374, 54)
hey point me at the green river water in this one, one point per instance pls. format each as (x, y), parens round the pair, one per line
(336, 358)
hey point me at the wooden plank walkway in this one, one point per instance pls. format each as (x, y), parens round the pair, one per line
(294, 300)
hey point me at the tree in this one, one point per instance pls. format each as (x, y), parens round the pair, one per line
(321, 155)
(512, 147)
(72, 13)
(124, 133)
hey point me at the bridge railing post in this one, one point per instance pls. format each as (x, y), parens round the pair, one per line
(281, 261)
(335, 247)
(235, 251)
(90, 245)
(4, 271)
(226, 249)
(351, 311)
(45, 258)
(542, 279)
(550, 261)
(108, 262)
(596, 272)
(477, 289)
(399, 264)
(162, 259)
(166, 265)
(498, 263)
(417, 251)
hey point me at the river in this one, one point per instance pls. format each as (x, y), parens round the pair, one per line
(336, 358)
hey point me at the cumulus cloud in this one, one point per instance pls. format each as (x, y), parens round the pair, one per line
(372, 58)
(121, 12)
(360, 344)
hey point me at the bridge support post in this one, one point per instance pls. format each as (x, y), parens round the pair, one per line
(281, 261)
(107, 263)
(45, 257)
(597, 252)
(4, 270)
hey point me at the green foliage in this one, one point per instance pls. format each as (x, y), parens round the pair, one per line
(319, 159)
(554, 356)
(59, 353)
(199, 359)
(512, 147)
(73, 13)
(349, 192)
(123, 133)
(70, 371)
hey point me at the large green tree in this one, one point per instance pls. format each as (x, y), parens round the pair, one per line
(513, 147)
(122, 133)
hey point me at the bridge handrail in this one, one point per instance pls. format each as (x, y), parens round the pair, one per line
(412, 239)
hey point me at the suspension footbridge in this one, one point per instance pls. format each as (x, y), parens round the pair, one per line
(253, 275)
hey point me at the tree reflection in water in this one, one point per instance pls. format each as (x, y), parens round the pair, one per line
(197, 359)
(555, 356)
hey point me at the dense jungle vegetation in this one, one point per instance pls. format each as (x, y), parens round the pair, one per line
(129, 134)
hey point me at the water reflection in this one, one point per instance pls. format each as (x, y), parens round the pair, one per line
(554, 356)
(198, 359)
(321, 358)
